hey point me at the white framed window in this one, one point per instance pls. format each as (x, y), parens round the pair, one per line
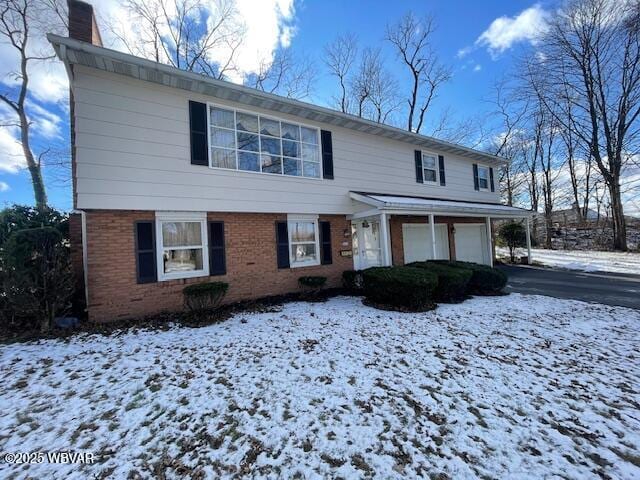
(181, 245)
(250, 142)
(304, 248)
(429, 168)
(483, 177)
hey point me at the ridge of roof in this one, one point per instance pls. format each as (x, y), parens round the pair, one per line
(198, 83)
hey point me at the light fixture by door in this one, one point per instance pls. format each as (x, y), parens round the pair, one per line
(365, 224)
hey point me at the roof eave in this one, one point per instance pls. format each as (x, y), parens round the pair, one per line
(146, 70)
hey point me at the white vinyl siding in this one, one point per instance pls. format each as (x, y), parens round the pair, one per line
(132, 152)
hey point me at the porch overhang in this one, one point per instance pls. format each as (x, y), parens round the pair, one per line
(405, 205)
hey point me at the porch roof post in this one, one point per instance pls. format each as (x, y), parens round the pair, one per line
(528, 242)
(433, 235)
(384, 239)
(489, 241)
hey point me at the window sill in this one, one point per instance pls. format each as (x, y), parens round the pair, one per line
(182, 276)
(301, 265)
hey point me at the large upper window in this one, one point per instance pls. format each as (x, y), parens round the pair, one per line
(483, 178)
(182, 249)
(303, 241)
(254, 143)
(429, 168)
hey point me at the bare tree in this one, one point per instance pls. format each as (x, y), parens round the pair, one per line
(19, 20)
(340, 56)
(550, 169)
(285, 75)
(411, 39)
(192, 35)
(592, 51)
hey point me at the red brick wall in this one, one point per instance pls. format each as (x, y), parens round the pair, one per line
(75, 248)
(250, 254)
(395, 226)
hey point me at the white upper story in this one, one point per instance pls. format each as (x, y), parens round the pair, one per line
(133, 146)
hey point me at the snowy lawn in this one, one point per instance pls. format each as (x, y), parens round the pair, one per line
(584, 260)
(497, 387)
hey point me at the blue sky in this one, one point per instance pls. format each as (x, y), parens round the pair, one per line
(478, 40)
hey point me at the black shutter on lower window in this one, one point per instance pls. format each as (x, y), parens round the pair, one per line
(418, 160)
(443, 181)
(327, 154)
(476, 183)
(198, 133)
(282, 244)
(144, 232)
(325, 243)
(493, 187)
(217, 259)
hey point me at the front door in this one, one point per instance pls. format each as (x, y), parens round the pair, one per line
(366, 244)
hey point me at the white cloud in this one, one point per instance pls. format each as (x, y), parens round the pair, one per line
(477, 67)
(4, 187)
(268, 25)
(11, 156)
(45, 122)
(504, 32)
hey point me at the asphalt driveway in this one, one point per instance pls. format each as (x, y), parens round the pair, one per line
(608, 288)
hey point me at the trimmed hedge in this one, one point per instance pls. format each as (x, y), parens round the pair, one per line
(453, 282)
(352, 280)
(485, 279)
(406, 288)
(201, 297)
(312, 282)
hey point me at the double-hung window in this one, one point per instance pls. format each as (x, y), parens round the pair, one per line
(483, 177)
(181, 245)
(255, 143)
(429, 168)
(303, 240)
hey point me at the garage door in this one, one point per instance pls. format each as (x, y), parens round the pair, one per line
(471, 243)
(416, 241)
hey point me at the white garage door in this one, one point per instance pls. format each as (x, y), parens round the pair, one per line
(416, 241)
(471, 243)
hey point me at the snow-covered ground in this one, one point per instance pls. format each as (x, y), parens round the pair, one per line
(496, 387)
(584, 260)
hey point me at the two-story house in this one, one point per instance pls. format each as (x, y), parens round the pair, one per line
(181, 178)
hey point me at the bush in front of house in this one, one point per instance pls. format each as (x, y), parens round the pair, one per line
(453, 282)
(36, 278)
(202, 297)
(405, 288)
(311, 287)
(352, 281)
(485, 280)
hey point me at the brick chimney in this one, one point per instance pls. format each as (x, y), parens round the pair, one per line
(82, 23)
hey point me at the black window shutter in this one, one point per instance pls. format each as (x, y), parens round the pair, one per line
(198, 133)
(327, 154)
(443, 181)
(418, 158)
(493, 187)
(282, 244)
(476, 183)
(145, 252)
(217, 259)
(325, 243)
